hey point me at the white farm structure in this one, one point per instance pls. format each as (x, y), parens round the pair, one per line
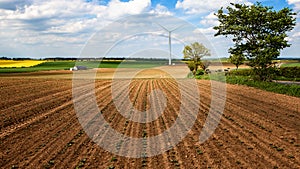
(75, 68)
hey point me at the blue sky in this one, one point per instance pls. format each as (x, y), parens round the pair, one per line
(38, 28)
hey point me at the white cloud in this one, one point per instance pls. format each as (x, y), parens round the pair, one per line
(205, 31)
(161, 10)
(294, 35)
(71, 16)
(50, 9)
(59, 23)
(204, 6)
(296, 3)
(117, 8)
(209, 20)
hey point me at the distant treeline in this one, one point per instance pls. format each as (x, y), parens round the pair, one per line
(7, 58)
(110, 58)
(296, 59)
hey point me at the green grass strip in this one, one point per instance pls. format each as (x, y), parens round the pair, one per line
(291, 89)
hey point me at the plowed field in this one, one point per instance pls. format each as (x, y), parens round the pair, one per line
(39, 127)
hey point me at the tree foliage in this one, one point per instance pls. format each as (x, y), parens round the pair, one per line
(237, 59)
(191, 66)
(204, 64)
(259, 33)
(194, 53)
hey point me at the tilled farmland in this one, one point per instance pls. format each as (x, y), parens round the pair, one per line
(39, 127)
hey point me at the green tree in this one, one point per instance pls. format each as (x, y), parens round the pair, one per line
(237, 59)
(204, 64)
(194, 53)
(259, 33)
(191, 66)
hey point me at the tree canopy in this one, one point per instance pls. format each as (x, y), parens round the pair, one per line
(258, 31)
(237, 59)
(194, 53)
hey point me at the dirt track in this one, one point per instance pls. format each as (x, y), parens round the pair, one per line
(39, 128)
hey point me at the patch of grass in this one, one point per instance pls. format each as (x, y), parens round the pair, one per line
(292, 90)
(141, 64)
(286, 78)
(215, 76)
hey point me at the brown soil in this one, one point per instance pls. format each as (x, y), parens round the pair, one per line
(39, 127)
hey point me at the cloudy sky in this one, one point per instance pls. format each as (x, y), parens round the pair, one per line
(39, 28)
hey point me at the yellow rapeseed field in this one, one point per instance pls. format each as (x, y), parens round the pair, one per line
(21, 63)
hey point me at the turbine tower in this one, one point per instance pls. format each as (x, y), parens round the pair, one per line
(170, 42)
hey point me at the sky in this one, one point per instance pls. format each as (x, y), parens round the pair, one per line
(125, 28)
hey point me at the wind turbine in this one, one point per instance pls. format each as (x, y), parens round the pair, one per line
(170, 45)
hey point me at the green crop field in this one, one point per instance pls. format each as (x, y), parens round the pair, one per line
(66, 65)
(50, 65)
(120, 64)
(291, 64)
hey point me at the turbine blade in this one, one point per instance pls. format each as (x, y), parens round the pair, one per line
(162, 27)
(176, 28)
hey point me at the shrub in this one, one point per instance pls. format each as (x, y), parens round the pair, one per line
(200, 72)
(289, 72)
(241, 72)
